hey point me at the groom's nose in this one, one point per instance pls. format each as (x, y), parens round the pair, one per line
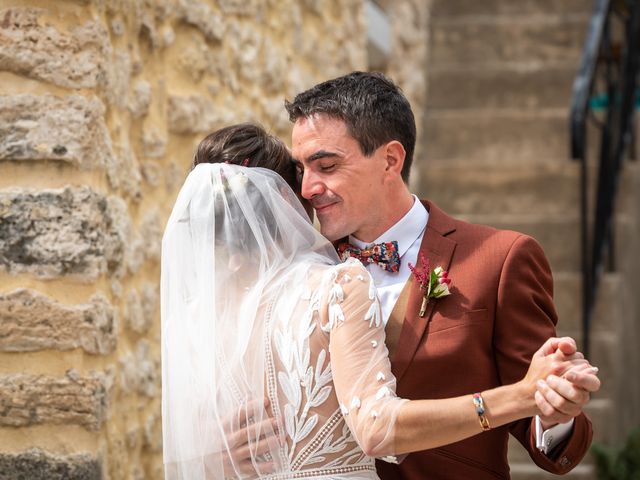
(311, 185)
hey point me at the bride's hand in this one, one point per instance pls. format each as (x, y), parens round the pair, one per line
(555, 358)
(246, 455)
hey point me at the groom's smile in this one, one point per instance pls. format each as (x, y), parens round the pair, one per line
(342, 184)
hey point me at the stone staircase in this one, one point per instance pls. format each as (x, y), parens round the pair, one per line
(496, 151)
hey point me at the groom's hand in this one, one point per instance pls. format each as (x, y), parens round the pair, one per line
(560, 399)
(242, 450)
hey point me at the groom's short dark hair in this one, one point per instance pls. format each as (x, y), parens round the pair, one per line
(371, 105)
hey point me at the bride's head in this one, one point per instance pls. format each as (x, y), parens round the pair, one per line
(256, 214)
(249, 145)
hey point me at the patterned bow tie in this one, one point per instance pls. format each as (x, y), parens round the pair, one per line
(385, 255)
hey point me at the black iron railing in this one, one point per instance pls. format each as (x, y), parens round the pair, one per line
(605, 92)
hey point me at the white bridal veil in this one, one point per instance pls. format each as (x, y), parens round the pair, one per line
(233, 236)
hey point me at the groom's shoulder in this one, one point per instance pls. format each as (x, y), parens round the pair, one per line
(468, 229)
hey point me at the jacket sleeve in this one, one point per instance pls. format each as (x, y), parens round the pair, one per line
(525, 319)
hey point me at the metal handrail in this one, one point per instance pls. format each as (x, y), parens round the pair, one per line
(621, 68)
(583, 82)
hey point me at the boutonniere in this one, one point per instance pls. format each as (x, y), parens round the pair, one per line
(433, 283)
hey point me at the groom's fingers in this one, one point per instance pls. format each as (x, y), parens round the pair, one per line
(264, 429)
(547, 412)
(563, 396)
(246, 412)
(585, 379)
(248, 454)
(566, 390)
(247, 467)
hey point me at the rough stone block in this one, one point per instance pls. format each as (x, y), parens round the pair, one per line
(239, 7)
(118, 75)
(195, 114)
(70, 231)
(31, 321)
(140, 371)
(124, 174)
(70, 400)
(202, 16)
(36, 464)
(69, 129)
(139, 103)
(152, 438)
(141, 308)
(154, 142)
(74, 59)
(145, 243)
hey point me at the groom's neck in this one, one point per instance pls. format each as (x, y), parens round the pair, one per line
(390, 212)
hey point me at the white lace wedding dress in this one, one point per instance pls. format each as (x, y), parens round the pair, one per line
(329, 379)
(255, 306)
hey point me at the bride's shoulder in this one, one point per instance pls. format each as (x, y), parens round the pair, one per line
(350, 281)
(348, 270)
(349, 278)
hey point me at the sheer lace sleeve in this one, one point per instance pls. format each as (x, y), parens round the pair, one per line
(360, 360)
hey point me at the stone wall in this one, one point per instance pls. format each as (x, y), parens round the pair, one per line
(407, 64)
(101, 105)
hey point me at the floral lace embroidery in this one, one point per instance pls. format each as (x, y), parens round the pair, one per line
(329, 451)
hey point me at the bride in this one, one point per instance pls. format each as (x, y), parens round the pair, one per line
(274, 362)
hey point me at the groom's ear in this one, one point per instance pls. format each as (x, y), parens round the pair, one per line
(394, 157)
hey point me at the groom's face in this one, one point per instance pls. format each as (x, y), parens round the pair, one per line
(340, 182)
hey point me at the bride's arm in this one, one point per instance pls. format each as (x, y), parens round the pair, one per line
(384, 424)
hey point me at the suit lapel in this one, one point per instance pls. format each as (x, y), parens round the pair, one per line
(438, 250)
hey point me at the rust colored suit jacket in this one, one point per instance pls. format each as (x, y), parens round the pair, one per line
(483, 335)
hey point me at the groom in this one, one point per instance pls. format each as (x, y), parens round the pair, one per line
(353, 140)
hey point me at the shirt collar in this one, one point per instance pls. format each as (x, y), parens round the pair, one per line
(405, 231)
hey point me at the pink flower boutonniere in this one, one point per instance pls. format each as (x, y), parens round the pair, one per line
(434, 283)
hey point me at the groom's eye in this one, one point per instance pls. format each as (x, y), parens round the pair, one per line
(327, 168)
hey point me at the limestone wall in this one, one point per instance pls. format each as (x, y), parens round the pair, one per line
(408, 61)
(101, 105)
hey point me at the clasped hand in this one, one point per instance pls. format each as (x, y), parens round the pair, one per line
(564, 381)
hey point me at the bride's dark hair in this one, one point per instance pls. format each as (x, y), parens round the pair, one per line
(248, 145)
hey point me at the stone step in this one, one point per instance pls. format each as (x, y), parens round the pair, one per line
(605, 354)
(567, 293)
(474, 40)
(550, 188)
(604, 416)
(522, 86)
(531, 471)
(452, 8)
(505, 135)
(558, 235)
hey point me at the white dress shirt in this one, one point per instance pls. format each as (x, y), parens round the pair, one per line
(408, 232)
